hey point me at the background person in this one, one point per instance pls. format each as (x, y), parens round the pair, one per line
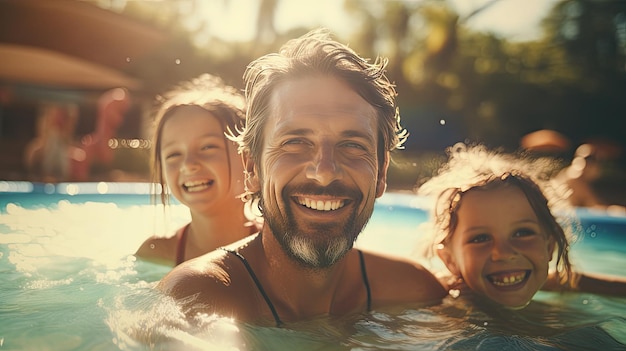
(321, 122)
(579, 177)
(94, 155)
(194, 161)
(47, 156)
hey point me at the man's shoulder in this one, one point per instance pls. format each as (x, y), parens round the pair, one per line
(413, 280)
(216, 282)
(213, 270)
(206, 274)
(388, 261)
(386, 267)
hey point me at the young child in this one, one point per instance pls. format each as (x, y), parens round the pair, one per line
(495, 230)
(194, 161)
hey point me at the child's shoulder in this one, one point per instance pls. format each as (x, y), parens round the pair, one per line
(161, 249)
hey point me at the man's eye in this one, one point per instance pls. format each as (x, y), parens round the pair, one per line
(293, 141)
(354, 145)
(295, 144)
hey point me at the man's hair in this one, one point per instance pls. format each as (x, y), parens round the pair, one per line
(317, 53)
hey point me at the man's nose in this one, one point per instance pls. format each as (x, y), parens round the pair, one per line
(325, 168)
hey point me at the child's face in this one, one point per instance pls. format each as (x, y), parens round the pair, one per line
(195, 160)
(499, 247)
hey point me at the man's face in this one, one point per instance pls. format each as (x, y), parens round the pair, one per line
(319, 169)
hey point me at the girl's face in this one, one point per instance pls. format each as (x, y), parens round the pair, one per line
(499, 247)
(195, 160)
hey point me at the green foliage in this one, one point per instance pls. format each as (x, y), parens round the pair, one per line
(486, 88)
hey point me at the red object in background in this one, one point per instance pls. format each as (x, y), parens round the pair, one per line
(94, 148)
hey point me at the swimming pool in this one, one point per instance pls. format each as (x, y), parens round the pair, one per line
(69, 281)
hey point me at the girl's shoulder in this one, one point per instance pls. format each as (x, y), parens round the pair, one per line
(160, 249)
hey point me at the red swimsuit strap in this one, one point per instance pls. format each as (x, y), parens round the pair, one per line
(182, 239)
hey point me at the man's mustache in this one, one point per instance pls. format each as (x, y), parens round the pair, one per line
(333, 189)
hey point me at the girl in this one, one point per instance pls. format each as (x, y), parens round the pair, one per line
(495, 230)
(194, 161)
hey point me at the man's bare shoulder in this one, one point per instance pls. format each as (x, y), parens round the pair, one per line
(208, 273)
(402, 279)
(384, 261)
(216, 282)
(213, 276)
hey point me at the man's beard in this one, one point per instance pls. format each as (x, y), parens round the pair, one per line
(326, 243)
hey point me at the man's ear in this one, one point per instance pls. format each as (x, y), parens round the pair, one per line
(381, 182)
(446, 256)
(251, 181)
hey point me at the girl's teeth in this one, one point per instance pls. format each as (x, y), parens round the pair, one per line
(506, 280)
(197, 185)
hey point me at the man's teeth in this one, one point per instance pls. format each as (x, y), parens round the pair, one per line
(322, 205)
(507, 279)
(197, 185)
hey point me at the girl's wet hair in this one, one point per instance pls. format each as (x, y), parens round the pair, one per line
(475, 168)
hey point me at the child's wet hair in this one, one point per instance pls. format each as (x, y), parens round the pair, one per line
(475, 168)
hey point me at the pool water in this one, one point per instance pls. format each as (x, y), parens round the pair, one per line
(69, 281)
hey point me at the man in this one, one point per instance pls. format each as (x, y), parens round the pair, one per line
(321, 122)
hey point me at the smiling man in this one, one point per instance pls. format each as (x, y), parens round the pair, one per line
(321, 123)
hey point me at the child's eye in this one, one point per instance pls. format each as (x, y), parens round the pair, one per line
(524, 232)
(209, 146)
(480, 238)
(171, 155)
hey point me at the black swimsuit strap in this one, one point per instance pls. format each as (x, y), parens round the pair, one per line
(365, 280)
(258, 285)
(269, 302)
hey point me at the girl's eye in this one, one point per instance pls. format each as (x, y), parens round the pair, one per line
(480, 238)
(524, 232)
(171, 155)
(209, 146)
